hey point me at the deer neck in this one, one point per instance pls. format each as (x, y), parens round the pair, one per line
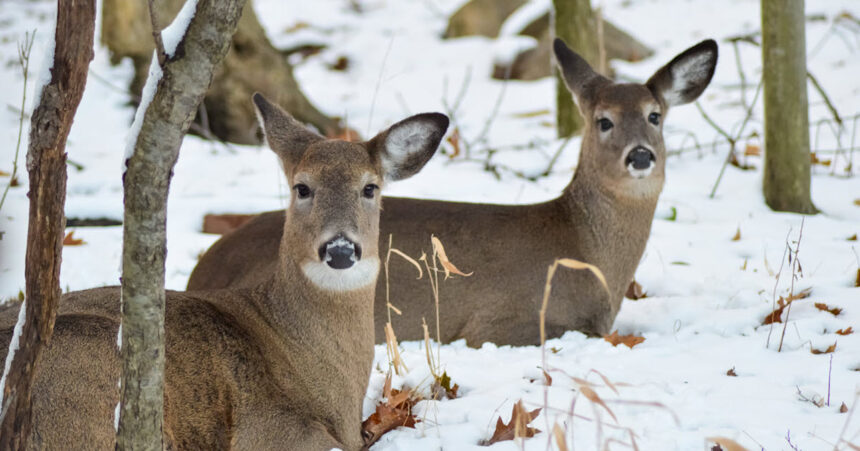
(610, 226)
(324, 336)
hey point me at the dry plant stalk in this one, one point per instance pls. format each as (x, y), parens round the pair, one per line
(393, 350)
(795, 270)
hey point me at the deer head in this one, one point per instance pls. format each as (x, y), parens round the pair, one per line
(332, 225)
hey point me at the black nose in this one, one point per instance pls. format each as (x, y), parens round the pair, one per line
(640, 157)
(340, 253)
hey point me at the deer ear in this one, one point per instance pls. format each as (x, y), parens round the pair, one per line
(578, 75)
(687, 75)
(286, 136)
(407, 146)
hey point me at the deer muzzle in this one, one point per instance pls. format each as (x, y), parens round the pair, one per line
(340, 252)
(640, 162)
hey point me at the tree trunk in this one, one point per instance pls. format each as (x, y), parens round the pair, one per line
(186, 75)
(46, 164)
(251, 65)
(574, 22)
(786, 111)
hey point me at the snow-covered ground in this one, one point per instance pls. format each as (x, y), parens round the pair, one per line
(707, 293)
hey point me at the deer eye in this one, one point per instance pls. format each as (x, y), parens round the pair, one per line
(654, 118)
(369, 190)
(604, 124)
(302, 190)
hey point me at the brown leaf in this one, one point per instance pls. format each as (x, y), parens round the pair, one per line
(824, 308)
(14, 182)
(816, 160)
(852, 237)
(560, 440)
(341, 64)
(843, 408)
(4, 173)
(737, 236)
(726, 444)
(857, 279)
(731, 372)
(846, 331)
(752, 150)
(576, 264)
(635, 291)
(454, 140)
(442, 387)
(224, 224)
(776, 315)
(547, 379)
(829, 349)
(517, 427)
(394, 411)
(857, 202)
(70, 240)
(629, 340)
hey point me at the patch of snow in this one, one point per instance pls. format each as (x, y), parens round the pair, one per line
(506, 48)
(172, 34)
(13, 346)
(523, 16)
(146, 96)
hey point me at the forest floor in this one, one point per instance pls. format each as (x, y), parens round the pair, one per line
(712, 272)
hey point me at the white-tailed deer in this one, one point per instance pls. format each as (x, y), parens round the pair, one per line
(280, 365)
(603, 217)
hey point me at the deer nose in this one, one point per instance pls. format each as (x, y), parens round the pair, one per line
(340, 252)
(640, 158)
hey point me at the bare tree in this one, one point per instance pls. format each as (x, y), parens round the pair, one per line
(786, 109)
(186, 73)
(46, 164)
(575, 23)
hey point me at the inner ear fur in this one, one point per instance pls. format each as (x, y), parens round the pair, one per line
(684, 78)
(405, 147)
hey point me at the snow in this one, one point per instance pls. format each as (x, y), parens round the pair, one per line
(146, 97)
(173, 33)
(13, 347)
(707, 294)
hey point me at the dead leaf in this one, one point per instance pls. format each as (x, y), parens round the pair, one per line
(829, 350)
(340, 65)
(629, 340)
(852, 237)
(726, 444)
(635, 291)
(752, 150)
(843, 408)
(4, 173)
(857, 279)
(737, 236)
(296, 27)
(731, 372)
(393, 411)
(70, 240)
(454, 140)
(846, 331)
(14, 182)
(517, 427)
(776, 315)
(442, 387)
(449, 267)
(560, 440)
(824, 308)
(547, 379)
(857, 202)
(224, 224)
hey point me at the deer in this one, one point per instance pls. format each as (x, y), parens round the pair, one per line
(603, 217)
(284, 364)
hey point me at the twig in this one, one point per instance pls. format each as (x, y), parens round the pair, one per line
(156, 35)
(826, 98)
(776, 285)
(795, 267)
(555, 156)
(24, 60)
(732, 140)
(378, 83)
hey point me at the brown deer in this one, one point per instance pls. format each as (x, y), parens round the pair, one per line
(281, 365)
(603, 217)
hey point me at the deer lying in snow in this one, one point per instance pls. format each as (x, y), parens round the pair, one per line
(281, 365)
(603, 217)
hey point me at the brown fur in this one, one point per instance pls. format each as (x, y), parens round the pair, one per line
(280, 365)
(603, 217)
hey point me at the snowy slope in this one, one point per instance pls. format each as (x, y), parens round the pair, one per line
(707, 294)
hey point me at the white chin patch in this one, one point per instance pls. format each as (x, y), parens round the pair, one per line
(640, 173)
(359, 275)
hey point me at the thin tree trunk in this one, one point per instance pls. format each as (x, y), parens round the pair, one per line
(185, 77)
(786, 111)
(574, 22)
(46, 164)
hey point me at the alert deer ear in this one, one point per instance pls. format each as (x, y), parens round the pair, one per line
(286, 136)
(685, 77)
(407, 146)
(578, 75)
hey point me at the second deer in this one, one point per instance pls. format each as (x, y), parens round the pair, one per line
(603, 217)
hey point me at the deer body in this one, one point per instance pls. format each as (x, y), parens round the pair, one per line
(603, 217)
(280, 365)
